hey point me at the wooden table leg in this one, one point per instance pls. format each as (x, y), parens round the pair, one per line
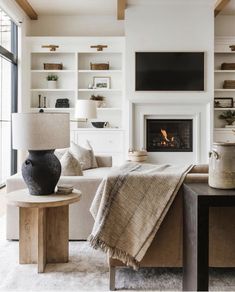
(42, 232)
(195, 244)
(28, 250)
(44, 236)
(57, 234)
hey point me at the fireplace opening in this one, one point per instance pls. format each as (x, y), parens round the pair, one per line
(169, 135)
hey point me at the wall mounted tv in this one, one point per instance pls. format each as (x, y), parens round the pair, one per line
(169, 71)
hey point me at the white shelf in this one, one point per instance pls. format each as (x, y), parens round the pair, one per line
(224, 71)
(99, 71)
(47, 89)
(224, 129)
(223, 90)
(224, 109)
(52, 71)
(98, 90)
(68, 109)
(96, 129)
(224, 52)
(109, 109)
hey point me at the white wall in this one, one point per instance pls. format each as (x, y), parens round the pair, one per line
(76, 25)
(169, 25)
(225, 25)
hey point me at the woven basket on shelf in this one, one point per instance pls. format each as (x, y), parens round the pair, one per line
(229, 84)
(52, 66)
(99, 66)
(228, 66)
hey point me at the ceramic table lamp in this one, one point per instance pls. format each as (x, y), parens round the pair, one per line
(41, 134)
(85, 109)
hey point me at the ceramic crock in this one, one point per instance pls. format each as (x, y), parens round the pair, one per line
(222, 166)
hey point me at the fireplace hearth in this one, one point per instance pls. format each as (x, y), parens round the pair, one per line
(169, 135)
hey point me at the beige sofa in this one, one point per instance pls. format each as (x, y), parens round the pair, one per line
(80, 219)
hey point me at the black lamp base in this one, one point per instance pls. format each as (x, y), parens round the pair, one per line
(41, 172)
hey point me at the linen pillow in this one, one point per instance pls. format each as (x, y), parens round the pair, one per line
(85, 156)
(70, 165)
(60, 152)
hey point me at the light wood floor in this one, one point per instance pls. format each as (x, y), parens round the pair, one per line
(2, 202)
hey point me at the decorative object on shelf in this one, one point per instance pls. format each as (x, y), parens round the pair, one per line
(228, 66)
(101, 82)
(232, 47)
(223, 102)
(137, 155)
(52, 66)
(39, 100)
(44, 101)
(52, 81)
(51, 47)
(229, 84)
(228, 116)
(100, 124)
(99, 48)
(222, 166)
(41, 134)
(99, 66)
(62, 103)
(64, 189)
(98, 99)
(90, 86)
(85, 109)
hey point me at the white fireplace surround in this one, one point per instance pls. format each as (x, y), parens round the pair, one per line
(199, 113)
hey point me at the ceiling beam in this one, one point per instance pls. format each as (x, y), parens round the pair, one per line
(121, 6)
(219, 6)
(28, 9)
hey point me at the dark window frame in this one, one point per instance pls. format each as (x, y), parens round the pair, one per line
(12, 57)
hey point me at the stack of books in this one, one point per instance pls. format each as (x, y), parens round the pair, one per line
(64, 189)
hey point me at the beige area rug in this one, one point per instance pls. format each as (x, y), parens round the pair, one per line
(87, 270)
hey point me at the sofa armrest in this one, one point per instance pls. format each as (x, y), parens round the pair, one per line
(104, 161)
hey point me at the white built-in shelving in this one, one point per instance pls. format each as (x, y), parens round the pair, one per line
(74, 81)
(76, 77)
(223, 54)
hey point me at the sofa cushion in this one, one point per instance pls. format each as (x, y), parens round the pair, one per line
(70, 166)
(99, 172)
(85, 156)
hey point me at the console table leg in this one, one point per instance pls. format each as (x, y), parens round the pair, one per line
(195, 244)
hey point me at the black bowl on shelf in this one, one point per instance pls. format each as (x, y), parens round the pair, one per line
(99, 124)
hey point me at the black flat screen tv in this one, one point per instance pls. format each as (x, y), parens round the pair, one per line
(169, 71)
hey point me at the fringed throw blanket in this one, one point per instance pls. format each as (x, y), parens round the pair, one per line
(129, 206)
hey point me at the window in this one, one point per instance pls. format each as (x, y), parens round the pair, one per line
(8, 93)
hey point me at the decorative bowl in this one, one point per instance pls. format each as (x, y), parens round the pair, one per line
(99, 124)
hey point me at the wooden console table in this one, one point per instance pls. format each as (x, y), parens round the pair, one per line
(197, 199)
(44, 226)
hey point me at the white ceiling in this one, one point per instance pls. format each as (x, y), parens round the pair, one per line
(74, 7)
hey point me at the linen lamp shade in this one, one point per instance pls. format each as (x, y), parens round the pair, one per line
(85, 109)
(40, 131)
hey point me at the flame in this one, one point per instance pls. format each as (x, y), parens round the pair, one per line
(164, 134)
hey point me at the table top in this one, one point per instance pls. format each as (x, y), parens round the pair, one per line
(203, 189)
(22, 198)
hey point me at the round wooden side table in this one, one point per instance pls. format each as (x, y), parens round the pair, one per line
(44, 226)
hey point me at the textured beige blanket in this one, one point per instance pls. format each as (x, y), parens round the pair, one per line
(130, 205)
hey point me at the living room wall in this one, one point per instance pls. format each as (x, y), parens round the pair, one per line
(169, 25)
(77, 25)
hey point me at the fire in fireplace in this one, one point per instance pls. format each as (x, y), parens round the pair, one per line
(169, 135)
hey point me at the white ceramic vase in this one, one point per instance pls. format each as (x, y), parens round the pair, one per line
(52, 84)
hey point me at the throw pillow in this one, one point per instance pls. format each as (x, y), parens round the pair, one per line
(60, 152)
(85, 156)
(70, 165)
